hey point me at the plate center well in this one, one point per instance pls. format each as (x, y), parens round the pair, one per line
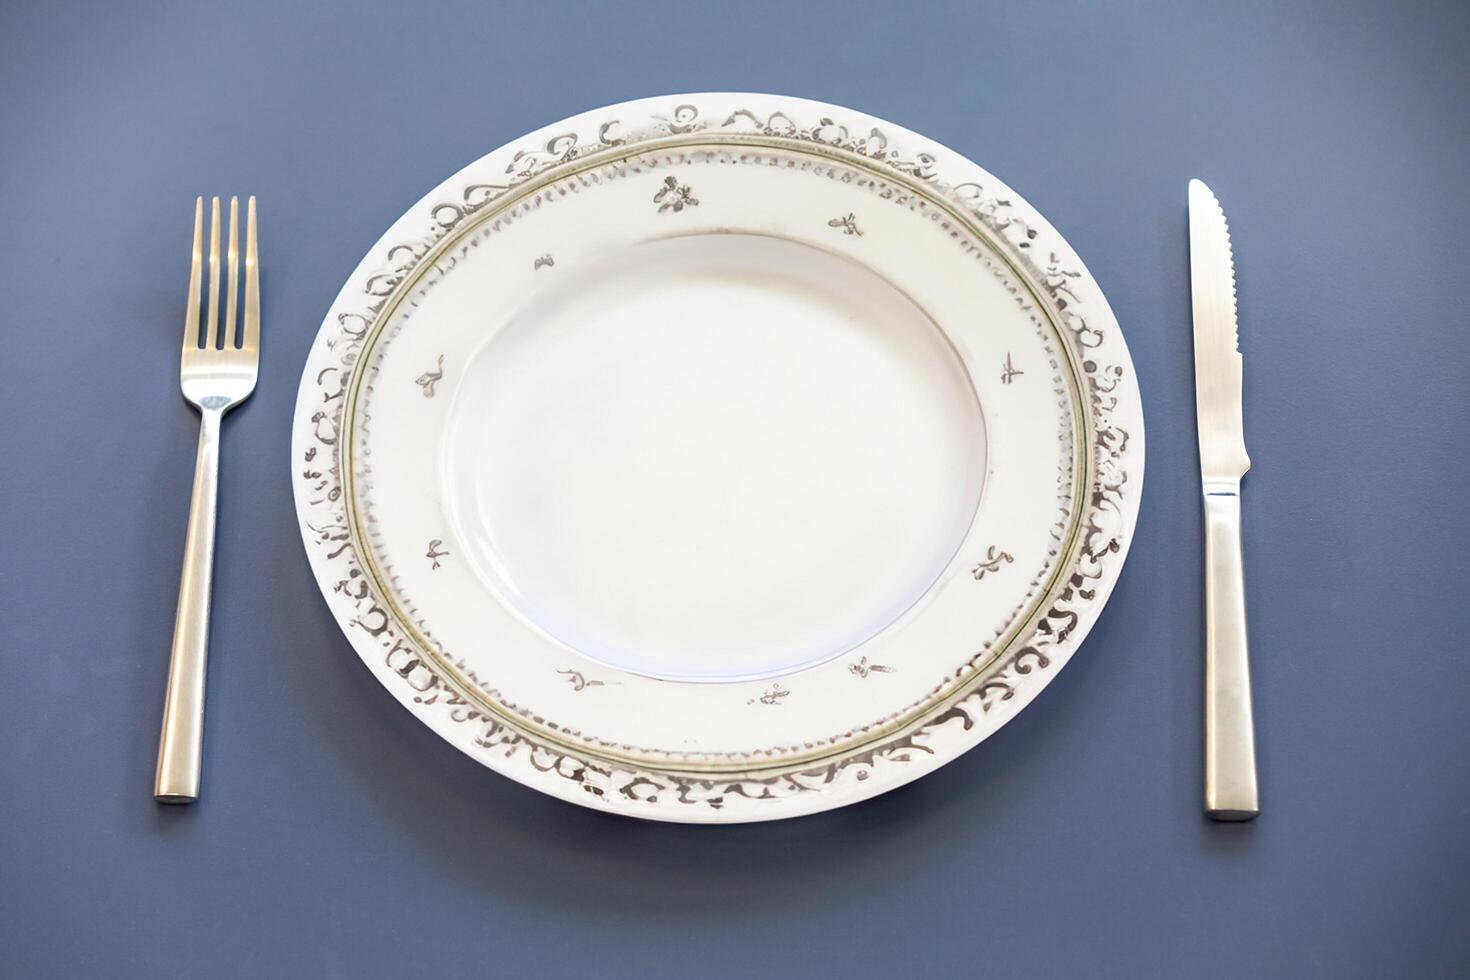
(714, 457)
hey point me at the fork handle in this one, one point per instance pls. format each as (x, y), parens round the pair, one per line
(182, 740)
(1230, 746)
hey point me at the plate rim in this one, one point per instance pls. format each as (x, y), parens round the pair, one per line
(688, 794)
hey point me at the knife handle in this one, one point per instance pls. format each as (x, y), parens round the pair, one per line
(1230, 745)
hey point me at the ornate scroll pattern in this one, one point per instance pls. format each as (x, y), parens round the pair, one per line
(629, 788)
(873, 144)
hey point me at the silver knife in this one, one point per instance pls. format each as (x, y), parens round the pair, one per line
(1230, 744)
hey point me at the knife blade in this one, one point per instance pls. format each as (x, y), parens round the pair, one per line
(1230, 754)
(1217, 361)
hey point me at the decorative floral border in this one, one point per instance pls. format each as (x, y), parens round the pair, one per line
(977, 707)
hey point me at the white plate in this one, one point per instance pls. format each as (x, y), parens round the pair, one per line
(718, 457)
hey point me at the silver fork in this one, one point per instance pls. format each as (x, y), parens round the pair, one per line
(215, 377)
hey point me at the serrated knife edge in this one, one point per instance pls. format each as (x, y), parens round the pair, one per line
(1217, 361)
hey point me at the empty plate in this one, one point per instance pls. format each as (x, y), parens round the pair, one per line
(718, 457)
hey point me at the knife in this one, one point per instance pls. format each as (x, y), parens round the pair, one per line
(1230, 745)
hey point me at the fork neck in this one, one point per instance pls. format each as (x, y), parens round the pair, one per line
(209, 431)
(215, 405)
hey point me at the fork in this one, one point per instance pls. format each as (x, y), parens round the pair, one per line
(215, 377)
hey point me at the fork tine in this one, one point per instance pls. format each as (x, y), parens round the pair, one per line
(191, 315)
(252, 282)
(211, 327)
(232, 285)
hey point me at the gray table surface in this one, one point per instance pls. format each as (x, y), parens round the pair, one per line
(338, 837)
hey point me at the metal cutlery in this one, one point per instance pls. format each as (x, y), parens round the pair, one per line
(1230, 749)
(217, 372)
